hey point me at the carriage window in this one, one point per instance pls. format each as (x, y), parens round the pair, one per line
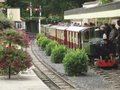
(86, 36)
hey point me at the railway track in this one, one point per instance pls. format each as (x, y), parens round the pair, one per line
(112, 75)
(55, 81)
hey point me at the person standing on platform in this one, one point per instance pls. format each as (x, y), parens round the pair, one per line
(107, 30)
(113, 33)
(112, 37)
(118, 39)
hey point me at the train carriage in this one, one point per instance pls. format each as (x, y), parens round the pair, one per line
(52, 32)
(77, 36)
(61, 34)
(45, 29)
(71, 36)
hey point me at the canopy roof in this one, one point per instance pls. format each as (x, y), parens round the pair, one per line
(102, 11)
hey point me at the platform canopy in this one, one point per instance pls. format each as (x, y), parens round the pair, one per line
(102, 14)
(104, 11)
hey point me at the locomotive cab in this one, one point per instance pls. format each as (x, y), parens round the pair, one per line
(95, 43)
(102, 51)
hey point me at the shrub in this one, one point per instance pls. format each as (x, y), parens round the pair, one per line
(44, 42)
(58, 54)
(50, 46)
(17, 59)
(12, 36)
(87, 49)
(39, 36)
(4, 22)
(39, 41)
(75, 62)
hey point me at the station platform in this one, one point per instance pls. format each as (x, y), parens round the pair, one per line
(27, 80)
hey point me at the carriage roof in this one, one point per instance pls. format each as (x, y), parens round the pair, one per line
(69, 28)
(53, 26)
(62, 27)
(58, 27)
(77, 28)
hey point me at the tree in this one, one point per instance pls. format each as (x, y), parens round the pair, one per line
(54, 7)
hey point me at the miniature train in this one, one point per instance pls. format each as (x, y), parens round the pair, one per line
(81, 37)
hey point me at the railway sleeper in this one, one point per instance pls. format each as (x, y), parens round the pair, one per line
(66, 88)
(62, 83)
(57, 80)
(41, 69)
(52, 76)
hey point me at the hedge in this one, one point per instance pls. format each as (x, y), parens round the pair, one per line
(58, 54)
(75, 62)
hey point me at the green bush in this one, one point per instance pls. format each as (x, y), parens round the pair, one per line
(49, 47)
(58, 54)
(11, 35)
(18, 59)
(39, 36)
(44, 42)
(87, 49)
(75, 62)
(40, 40)
(4, 22)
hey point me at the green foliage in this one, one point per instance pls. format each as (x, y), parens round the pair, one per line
(54, 7)
(58, 54)
(50, 46)
(18, 59)
(105, 1)
(76, 62)
(44, 42)
(11, 52)
(4, 22)
(87, 49)
(39, 36)
(54, 19)
(12, 36)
